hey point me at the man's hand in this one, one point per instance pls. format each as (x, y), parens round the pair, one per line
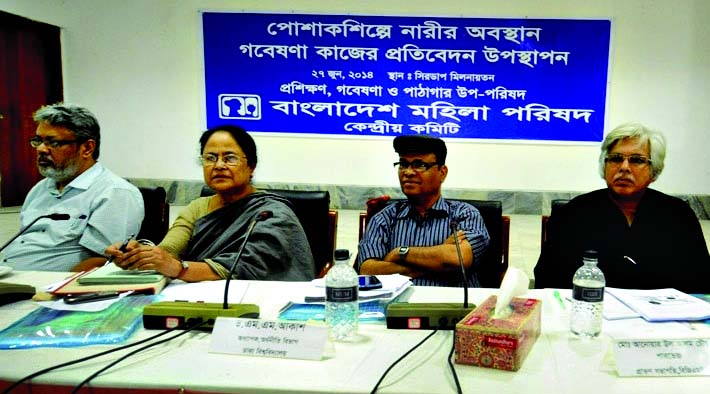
(460, 237)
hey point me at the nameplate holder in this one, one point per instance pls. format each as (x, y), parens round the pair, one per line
(662, 357)
(268, 338)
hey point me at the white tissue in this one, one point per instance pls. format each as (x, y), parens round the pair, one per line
(515, 282)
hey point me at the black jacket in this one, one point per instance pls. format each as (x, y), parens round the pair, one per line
(664, 246)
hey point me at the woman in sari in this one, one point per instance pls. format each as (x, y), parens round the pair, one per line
(204, 241)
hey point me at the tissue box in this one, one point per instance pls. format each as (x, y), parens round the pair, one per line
(498, 343)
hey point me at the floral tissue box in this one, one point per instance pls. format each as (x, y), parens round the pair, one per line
(498, 343)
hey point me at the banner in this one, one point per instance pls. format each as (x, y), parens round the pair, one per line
(473, 78)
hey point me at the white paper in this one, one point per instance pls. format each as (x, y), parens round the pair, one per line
(615, 309)
(515, 282)
(662, 357)
(663, 304)
(205, 291)
(392, 286)
(50, 288)
(94, 306)
(268, 338)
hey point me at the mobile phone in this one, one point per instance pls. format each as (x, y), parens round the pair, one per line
(90, 297)
(369, 282)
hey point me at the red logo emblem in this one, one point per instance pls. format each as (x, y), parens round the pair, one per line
(502, 343)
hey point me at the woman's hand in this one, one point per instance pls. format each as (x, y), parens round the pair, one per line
(116, 253)
(142, 257)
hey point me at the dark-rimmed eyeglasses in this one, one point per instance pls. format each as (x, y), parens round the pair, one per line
(35, 142)
(416, 165)
(617, 159)
(209, 159)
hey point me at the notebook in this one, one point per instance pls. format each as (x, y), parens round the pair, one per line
(113, 274)
(73, 286)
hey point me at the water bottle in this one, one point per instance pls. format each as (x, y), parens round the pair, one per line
(341, 289)
(587, 298)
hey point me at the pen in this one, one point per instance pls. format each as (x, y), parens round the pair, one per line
(122, 248)
(90, 297)
(559, 299)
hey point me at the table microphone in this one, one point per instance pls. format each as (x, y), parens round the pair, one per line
(172, 314)
(260, 217)
(53, 216)
(11, 292)
(432, 316)
(454, 231)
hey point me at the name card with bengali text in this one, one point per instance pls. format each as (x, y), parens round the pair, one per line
(662, 357)
(268, 338)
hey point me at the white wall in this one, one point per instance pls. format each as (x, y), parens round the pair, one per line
(137, 65)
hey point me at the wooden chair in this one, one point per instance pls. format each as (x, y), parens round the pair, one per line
(319, 222)
(157, 214)
(495, 262)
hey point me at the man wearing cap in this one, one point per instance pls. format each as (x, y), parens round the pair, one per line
(414, 237)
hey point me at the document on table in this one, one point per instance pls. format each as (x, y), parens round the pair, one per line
(662, 304)
(392, 286)
(615, 309)
(207, 291)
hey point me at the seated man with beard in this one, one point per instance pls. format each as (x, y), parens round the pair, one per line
(103, 208)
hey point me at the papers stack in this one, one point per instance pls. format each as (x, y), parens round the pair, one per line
(392, 286)
(656, 305)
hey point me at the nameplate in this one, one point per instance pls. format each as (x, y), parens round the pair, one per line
(662, 357)
(268, 338)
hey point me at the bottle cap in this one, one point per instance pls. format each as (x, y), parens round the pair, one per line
(590, 254)
(341, 254)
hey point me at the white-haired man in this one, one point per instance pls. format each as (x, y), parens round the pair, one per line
(645, 239)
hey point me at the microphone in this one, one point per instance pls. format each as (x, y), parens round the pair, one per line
(172, 314)
(454, 232)
(260, 217)
(431, 316)
(11, 292)
(53, 216)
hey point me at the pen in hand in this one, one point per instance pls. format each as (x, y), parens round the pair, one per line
(122, 248)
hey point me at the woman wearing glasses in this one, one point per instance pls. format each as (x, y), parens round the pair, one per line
(204, 241)
(645, 239)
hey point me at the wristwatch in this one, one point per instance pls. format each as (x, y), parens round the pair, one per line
(403, 250)
(185, 265)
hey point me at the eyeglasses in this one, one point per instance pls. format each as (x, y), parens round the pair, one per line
(210, 160)
(416, 165)
(618, 159)
(35, 142)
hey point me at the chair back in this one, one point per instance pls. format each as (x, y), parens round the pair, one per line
(555, 206)
(157, 214)
(319, 222)
(494, 263)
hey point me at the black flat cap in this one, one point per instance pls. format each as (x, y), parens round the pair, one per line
(407, 144)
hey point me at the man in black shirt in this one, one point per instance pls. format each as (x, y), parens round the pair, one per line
(645, 239)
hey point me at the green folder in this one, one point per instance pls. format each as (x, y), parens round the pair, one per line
(113, 274)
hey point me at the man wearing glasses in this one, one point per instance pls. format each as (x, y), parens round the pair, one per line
(103, 208)
(645, 239)
(414, 237)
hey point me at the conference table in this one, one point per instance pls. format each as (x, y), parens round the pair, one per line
(557, 363)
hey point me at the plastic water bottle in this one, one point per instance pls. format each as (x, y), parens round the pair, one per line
(587, 298)
(341, 295)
